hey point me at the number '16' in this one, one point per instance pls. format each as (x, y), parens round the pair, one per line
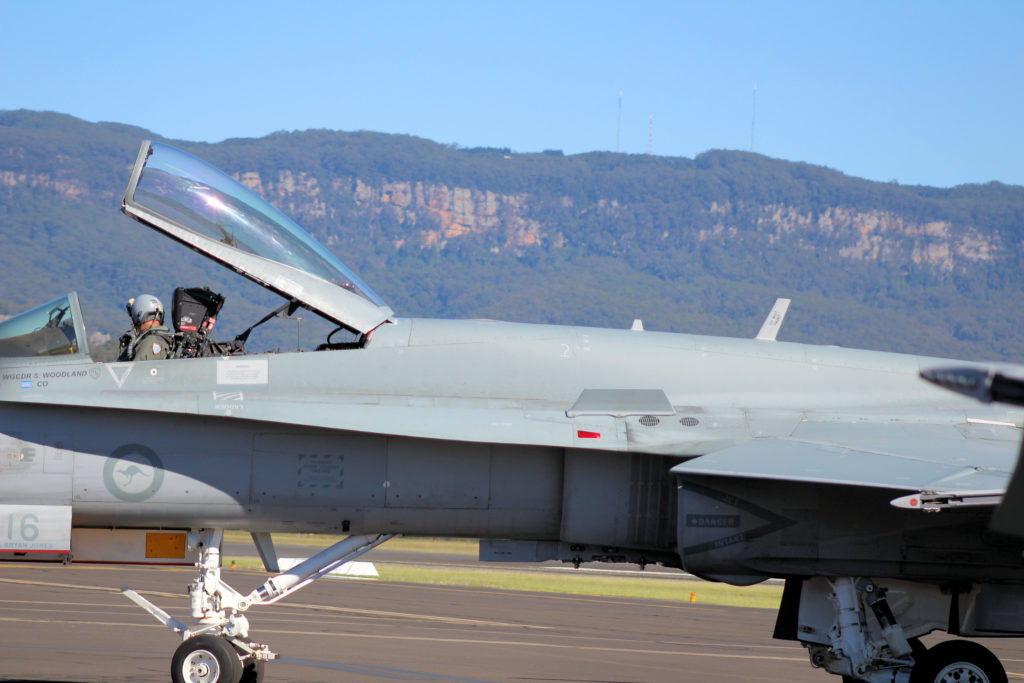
(28, 529)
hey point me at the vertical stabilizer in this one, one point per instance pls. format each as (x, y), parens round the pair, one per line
(770, 328)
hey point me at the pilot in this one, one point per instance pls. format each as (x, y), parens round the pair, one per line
(151, 341)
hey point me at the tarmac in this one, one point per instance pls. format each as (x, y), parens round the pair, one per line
(71, 624)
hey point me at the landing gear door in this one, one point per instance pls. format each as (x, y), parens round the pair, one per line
(35, 529)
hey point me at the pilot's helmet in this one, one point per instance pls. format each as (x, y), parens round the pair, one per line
(145, 307)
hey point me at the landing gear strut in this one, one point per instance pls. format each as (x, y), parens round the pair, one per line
(857, 652)
(866, 642)
(217, 649)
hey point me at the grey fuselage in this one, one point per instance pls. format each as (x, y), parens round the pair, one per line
(478, 429)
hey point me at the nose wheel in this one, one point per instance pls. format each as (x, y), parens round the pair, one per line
(206, 659)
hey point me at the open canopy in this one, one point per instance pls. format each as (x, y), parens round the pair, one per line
(208, 210)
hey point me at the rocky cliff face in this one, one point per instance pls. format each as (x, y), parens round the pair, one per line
(880, 236)
(426, 215)
(68, 186)
(434, 216)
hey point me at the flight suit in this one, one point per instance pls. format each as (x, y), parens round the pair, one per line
(155, 343)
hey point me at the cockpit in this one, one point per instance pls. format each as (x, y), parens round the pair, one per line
(202, 207)
(53, 329)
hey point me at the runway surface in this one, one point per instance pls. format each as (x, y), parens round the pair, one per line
(71, 624)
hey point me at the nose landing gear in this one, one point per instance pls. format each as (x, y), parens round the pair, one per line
(217, 649)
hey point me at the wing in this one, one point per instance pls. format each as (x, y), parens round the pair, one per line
(930, 466)
(1003, 384)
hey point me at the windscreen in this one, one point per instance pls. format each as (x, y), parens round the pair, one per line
(207, 201)
(47, 330)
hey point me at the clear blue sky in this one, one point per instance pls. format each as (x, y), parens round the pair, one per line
(920, 92)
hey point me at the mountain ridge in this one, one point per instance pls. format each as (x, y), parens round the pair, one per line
(699, 245)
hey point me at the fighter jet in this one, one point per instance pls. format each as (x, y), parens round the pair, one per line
(868, 490)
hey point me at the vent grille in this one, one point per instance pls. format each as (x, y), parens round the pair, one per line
(649, 421)
(652, 503)
(689, 421)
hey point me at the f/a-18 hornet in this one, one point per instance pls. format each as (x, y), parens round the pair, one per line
(869, 490)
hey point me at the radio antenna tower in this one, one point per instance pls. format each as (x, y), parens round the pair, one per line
(650, 135)
(753, 117)
(618, 125)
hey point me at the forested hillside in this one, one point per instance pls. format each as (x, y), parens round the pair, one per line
(699, 245)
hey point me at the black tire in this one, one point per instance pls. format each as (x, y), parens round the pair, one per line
(962, 661)
(205, 659)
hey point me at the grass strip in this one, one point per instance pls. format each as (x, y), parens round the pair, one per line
(468, 547)
(570, 583)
